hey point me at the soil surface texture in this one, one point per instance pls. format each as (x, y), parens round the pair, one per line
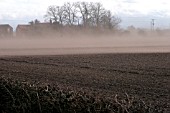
(143, 75)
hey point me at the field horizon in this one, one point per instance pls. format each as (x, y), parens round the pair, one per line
(83, 45)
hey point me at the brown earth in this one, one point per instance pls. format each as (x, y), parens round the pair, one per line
(145, 75)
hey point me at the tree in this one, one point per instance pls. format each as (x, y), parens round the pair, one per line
(31, 22)
(97, 13)
(70, 13)
(36, 21)
(84, 11)
(52, 13)
(109, 21)
(55, 14)
(60, 13)
(88, 14)
(114, 23)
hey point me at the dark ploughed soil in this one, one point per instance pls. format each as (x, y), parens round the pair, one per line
(143, 75)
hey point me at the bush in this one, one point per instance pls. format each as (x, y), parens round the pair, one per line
(22, 97)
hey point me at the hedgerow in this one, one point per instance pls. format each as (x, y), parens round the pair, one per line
(24, 97)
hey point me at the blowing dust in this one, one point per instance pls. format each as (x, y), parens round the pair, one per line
(83, 45)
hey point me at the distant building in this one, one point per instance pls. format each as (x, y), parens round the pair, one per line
(23, 30)
(6, 30)
(36, 29)
(42, 25)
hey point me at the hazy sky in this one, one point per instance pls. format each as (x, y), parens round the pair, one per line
(133, 12)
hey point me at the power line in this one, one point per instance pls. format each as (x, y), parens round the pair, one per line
(152, 24)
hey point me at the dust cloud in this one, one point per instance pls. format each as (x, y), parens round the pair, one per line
(83, 44)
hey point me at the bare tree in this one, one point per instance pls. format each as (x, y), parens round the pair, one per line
(88, 14)
(36, 21)
(106, 20)
(31, 22)
(52, 13)
(55, 13)
(70, 13)
(84, 10)
(97, 12)
(60, 11)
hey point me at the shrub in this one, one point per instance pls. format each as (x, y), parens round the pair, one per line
(22, 97)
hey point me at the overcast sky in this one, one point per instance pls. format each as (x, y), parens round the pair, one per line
(132, 12)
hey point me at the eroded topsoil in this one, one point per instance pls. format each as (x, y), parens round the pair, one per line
(143, 75)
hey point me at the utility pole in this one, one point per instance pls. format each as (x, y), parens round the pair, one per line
(152, 24)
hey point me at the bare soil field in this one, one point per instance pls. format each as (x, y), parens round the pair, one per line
(143, 75)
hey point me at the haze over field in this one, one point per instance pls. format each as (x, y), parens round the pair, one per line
(83, 45)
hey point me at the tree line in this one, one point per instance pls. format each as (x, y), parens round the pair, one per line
(83, 14)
